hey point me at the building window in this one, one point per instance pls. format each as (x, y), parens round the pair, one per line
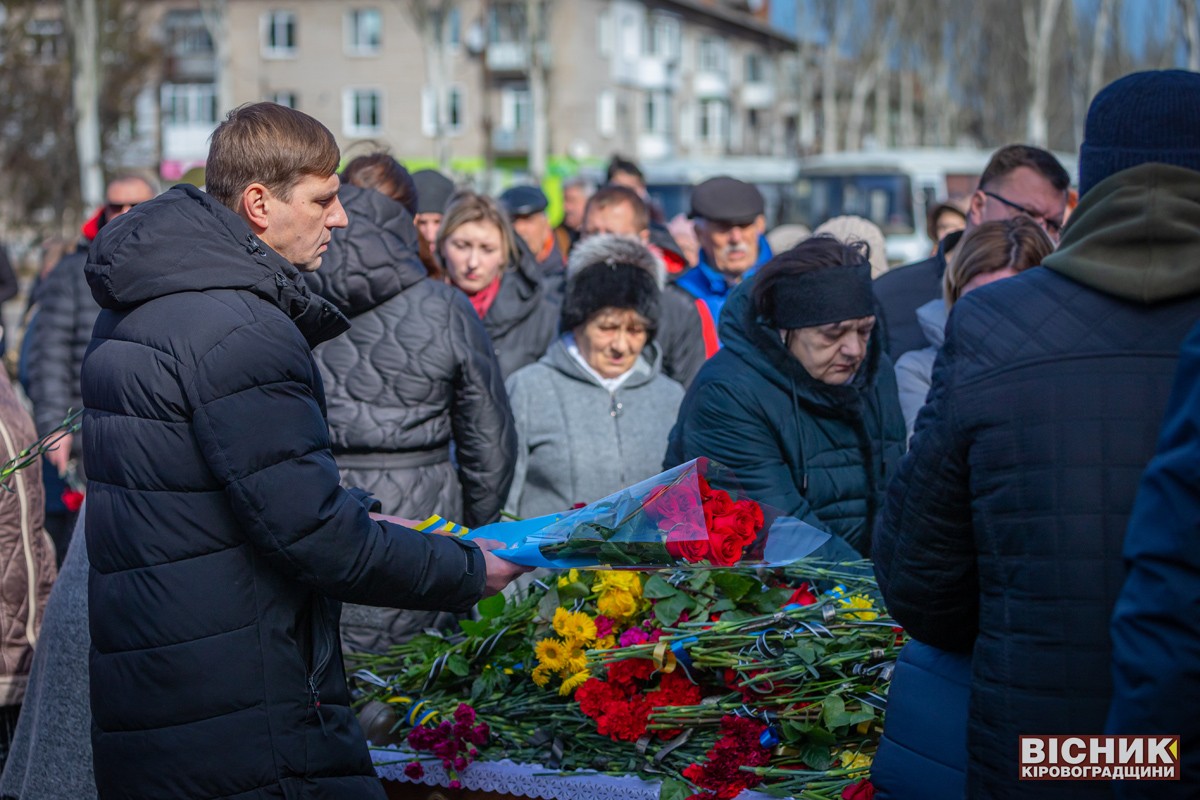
(711, 121)
(279, 34)
(657, 113)
(46, 40)
(287, 99)
(455, 113)
(364, 32)
(454, 28)
(756, 68)
(362, 112)
(187, 34)
(606, 113)
(662, 37)
(189, 104)
(711, 55)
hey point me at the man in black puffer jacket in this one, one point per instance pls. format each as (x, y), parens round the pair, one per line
(219, 538)
(1003, 528)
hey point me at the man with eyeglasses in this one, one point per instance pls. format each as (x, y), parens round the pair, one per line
(62, 328)
(1018, 180)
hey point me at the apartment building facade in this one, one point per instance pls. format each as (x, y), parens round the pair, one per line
(652, 79)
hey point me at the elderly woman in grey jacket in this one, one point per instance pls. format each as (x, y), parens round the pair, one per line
(593, 415)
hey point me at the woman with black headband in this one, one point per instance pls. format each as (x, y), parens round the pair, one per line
(801, 402)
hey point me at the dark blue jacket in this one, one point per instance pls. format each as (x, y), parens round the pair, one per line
(218, 535)
(923, 752)
(1002, 531)
(817, 452)
(1156, 625)
(704, 283)
(901, 291)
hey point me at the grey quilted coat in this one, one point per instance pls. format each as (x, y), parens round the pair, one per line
(414, 374)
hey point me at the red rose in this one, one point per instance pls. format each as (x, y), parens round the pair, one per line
(72, 499)
(716, 505)
(726, 549)
(803, 596)
(687, 544)
(750, 517)
(670, 505)
(863, 790)
(414, 771)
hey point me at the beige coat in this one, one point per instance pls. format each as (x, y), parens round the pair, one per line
(27, 568)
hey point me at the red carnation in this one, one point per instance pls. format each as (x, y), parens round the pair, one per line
(863, 790)
(414, 771)
(803, 596)
(629, 672)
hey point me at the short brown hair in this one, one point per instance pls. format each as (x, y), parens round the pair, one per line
(384, 174)
(1009, 158)
(1019, 243)
(467, 206)
(269, 144)
(613, 195)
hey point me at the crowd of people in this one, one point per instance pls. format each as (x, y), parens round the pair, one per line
(283, 371)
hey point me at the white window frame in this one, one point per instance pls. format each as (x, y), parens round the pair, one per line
(606, 113)
(712, 55)
(186, 104)
(656, 111)
(351, 124)
(429, 110)
(273, 22)
(352, 24)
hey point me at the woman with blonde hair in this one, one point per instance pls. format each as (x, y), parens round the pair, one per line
(485, 259)
(989, 252)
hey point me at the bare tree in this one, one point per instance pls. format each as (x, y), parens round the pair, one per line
(430, 17)
(871, 70)
(1190, 16)
(215, 14)
(536, 12)
(1039, 18)
(834, 24)
(83, 20)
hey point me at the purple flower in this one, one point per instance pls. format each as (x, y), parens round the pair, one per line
(455, 784)
(633, 636)
(464, 714)
(414, 771)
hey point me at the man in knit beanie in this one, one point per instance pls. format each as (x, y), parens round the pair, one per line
(1155, 628)
(1002, 532)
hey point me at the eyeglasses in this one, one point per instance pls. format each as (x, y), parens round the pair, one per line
(1052, 227)
(119, 208)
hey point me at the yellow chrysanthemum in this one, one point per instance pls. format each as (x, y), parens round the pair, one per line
(617, 605)
(855, 761)
(574, 626)
(566, 580)
(574, 682)
(550, 654)
(541, 675)
(618, 580)
(860, 601)
(607, 643)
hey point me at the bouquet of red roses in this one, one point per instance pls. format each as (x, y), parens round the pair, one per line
(694, 515)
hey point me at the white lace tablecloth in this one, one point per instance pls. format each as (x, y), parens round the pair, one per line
(524, 780)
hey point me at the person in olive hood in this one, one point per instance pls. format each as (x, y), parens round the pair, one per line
(801, 402)
(219, 538)
(1003, 528)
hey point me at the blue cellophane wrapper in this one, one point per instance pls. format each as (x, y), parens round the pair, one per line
(693, 516)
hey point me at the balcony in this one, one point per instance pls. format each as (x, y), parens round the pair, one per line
(186, 142)
(513, 56)
(710, 85)
(192, 68)
(656, 73)
(653, 146)
(508, 141)
(758, 95)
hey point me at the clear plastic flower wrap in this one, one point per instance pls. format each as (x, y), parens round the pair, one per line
(695, 515)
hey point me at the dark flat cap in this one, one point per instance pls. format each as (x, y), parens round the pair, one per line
(433, 191)
(725, 199)
(521, 201)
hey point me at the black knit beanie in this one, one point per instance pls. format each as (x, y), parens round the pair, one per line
(610, 285)
(1141, 118)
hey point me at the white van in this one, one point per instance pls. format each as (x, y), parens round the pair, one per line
(893, 188)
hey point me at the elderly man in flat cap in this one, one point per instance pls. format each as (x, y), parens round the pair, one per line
(526, 206)
(729, 222)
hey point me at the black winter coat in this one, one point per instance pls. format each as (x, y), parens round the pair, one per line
(1003, 527)
(218, 534)
(523, 319)
(414, 373)
(901, 291)
(58, 338)
(820, 453)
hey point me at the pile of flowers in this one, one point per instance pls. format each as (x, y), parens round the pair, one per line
(710, 681)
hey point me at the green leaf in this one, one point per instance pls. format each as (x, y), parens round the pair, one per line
(737, 616)
(805, 652)
(473, 627)
(548, 605)
(733, 585)
(864, 714)
(491, 607)
(772, 600)
(722, 606)
(458, 665)
(657, 589)
(833, 711)
(668, 611)
(698, 579)
(574, 590)
(674, 789)
(479, 688)
(817, 756)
